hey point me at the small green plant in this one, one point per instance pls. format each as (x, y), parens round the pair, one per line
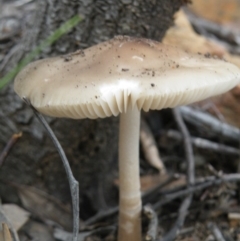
(58, 33)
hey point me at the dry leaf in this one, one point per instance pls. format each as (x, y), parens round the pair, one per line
(150, 149)
(5, 233)
(45, 206)
(149, 182)
(234, 219)
(16, 215)
(37, 231)
(225, 12)
(183, 36)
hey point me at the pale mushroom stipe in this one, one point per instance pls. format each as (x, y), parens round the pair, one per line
(123, 76)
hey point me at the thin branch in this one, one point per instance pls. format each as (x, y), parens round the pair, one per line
(216, 231)
(202, 183)
(103, 214)
(182, 212)
(8, 146)
(152, 194)
(74, 186)
(187, 146)
(202, 120)
(152, 231)
(205, 144)
(62, 235)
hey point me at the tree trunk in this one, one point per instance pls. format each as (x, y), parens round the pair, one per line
(91, 145)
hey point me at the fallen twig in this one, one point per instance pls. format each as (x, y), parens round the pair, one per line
(182, 213)
(153, 193)
(8, 146)
(66, 236)
(103, 214)
(205, 144)
(187, 146)
(202, 119)
(221, 33)
(216, 232)
(74, 186)
(152, 231)
(201, 183)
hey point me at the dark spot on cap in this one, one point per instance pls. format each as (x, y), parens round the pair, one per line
(43, 95)
(177, 66)
(78, 52)
(207, 55)
(125, 70)
(82, 53)
(67, 58)
(153, 73)
(96, 97)
(152, 84)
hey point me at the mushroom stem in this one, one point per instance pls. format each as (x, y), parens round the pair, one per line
(130, 196)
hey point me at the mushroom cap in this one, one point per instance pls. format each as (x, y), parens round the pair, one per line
(115, 75)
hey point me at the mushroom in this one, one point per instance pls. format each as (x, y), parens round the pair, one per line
(123, 76)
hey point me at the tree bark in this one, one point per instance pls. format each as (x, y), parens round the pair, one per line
(91, 145)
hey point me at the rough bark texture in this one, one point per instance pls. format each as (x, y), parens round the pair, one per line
(91, 145)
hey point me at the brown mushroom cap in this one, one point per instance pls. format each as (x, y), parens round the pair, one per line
(107, 78)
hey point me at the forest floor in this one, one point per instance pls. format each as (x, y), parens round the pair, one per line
(206, 210)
